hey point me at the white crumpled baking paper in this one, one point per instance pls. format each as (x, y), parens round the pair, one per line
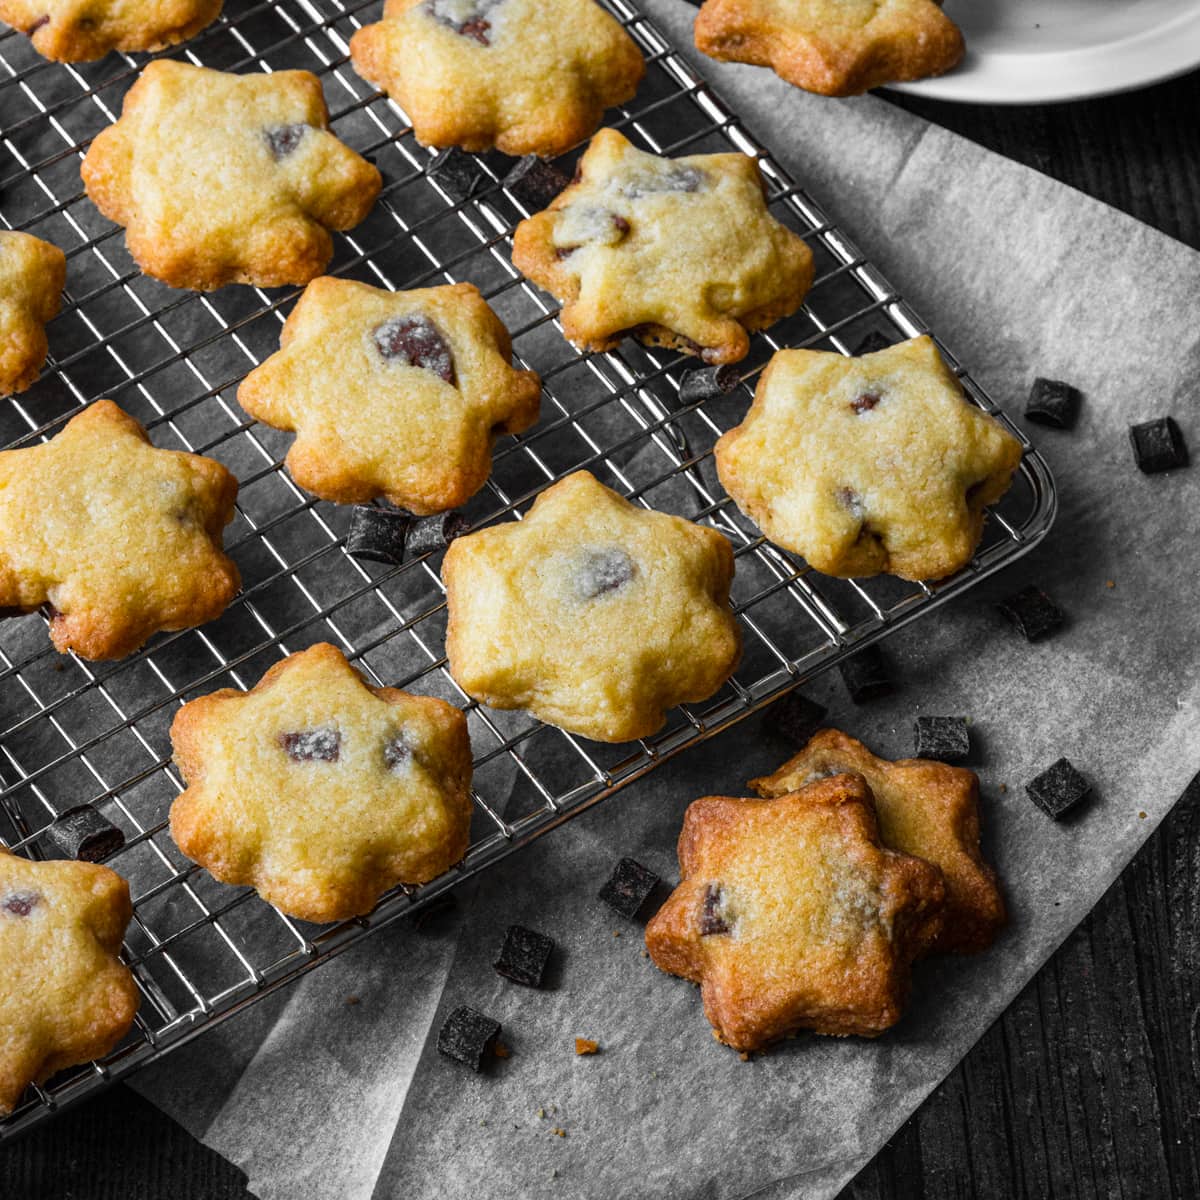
(313, 1095)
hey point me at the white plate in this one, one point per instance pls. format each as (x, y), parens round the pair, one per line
(1040, 51)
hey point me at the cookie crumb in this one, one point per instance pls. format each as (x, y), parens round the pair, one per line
(562, 1133)
(352, 1000)
(744, 1056)
(1110, 583)
(541, 1112)
(1004, 787)
(1141, 816)
(587, 1046)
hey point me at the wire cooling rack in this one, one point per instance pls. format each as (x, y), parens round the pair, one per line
(74, 732)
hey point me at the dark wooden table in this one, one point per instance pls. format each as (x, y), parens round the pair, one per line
(1089, 1086)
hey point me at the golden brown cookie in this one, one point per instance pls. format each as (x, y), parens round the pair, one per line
(82, 30)
(522, 76)
(65, 996)
(834, 47)
(868, 465)
(396, 394)
(677, 252)
(320, 791)
(592, 613)
(120, 539)
(790, 915)
(32, 274)
(222, 178)
(927, 809)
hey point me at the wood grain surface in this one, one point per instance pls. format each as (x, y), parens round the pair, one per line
(1089, 1086)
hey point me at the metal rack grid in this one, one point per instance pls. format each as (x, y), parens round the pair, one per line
(73, 732)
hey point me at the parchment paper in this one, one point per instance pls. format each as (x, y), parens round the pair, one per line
(316, 1096)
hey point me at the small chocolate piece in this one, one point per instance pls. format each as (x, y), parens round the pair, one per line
(397, 753)
(1052, 402)
(312, 745)
(428, 534)
(415, 341)
(871, 344)
(603, 570)
(708, 383)
(629, 887)
(1158, 446)
(712, 920)
(82, 833)
(455, 171)
(283, 139)
(468, 1037)
(795, 718)
(467, 20)
(20, 904)
(852, 502)
(947, 739)
(865, 402)
(865, 675)
(378, 534)
(44, 19)
(1058, 789)
(675, 178)
(534, 182)
(1032, 612)
(524, 955)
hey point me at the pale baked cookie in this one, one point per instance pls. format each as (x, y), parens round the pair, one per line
(593, 614)
(32, 274)
(523, 76)
(868, 465)
(65, 996)
(790, 915)
(82, 30)
(926, 809)
(834, 47)
(320, 791)
(678, 252)
(119, 538)
(396, 394)
(222, 178)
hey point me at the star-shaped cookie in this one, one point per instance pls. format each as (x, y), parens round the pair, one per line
(82, 30)
(65, 996)
(678, 252)
(522, 76)
(32, 274)
(222, 178)
(868, 465)
(396, 394)
(790, 915)
(834, 47)
(592, 613)
(120, 539)
(927, 809)
(320, 791)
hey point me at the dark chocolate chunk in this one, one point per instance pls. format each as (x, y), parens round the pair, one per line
(283, 139)
(428, 534)
(397, 753)
(534, 182)
(628, 887)
(707, 383)
(852, 502)
(456, 172)
(712, 919)
(19, 904)
(524, 955)
(312, 745)
(1158, 445)
(675, 178)
(946, 739)
(1032, 612)
(865, 675)
(1052, 402)
(378, 534)
(82, 833)
(795, 718)
(865, 402)
(467, 20)
(468, 1037)
(1058, 788)
(415, 341)
(603, 570)
(44, 19)
(871, 344)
